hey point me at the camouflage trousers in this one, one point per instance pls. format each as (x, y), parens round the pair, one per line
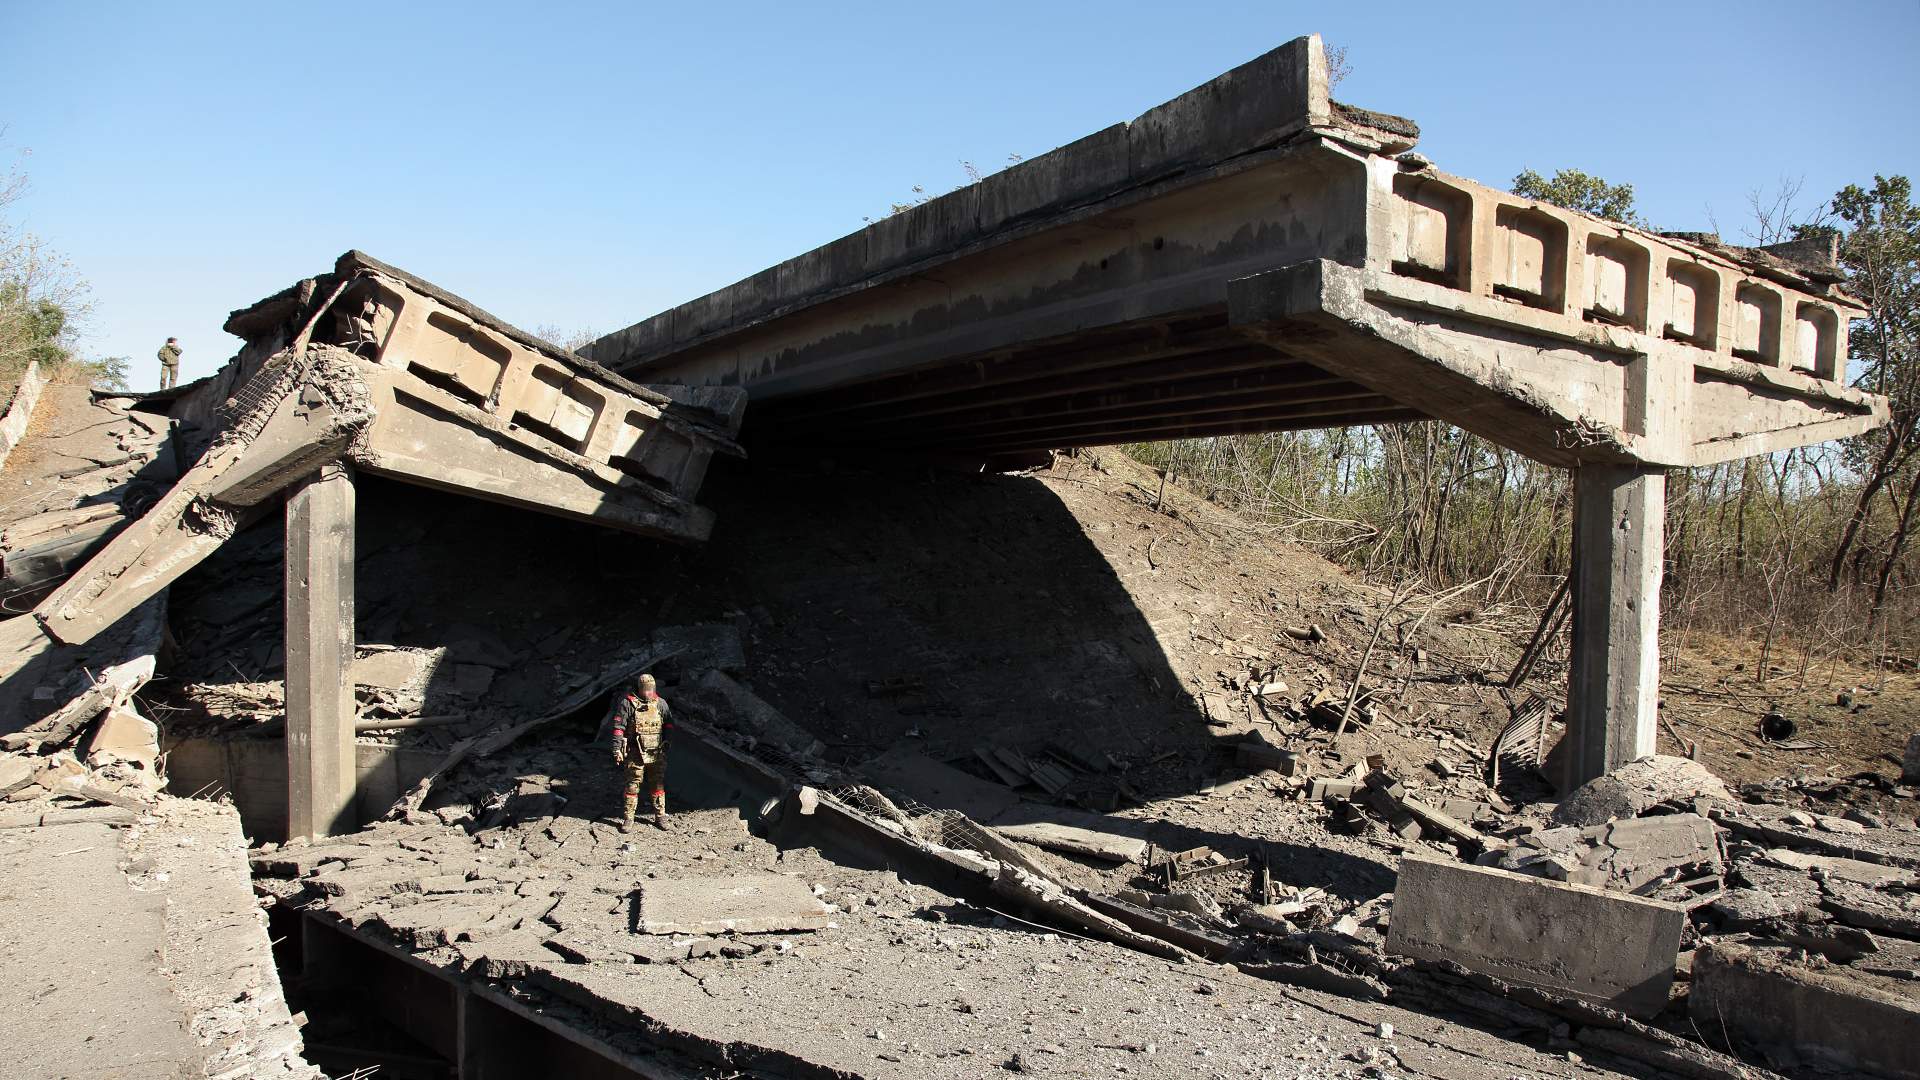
(653, 777)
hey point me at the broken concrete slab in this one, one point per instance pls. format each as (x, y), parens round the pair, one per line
(942, 787)
(1804, 1011)
(733, 705)
(1872, 875)
(113, 688)
(1636, 787)
(1627, 855)
(510, 955)
(396, 669)
(125, 735)
(1599, 946)
(1777, 826)
(714, 645)
(1890, 911)
(1076, 832)
(743, 904)
(16, 774)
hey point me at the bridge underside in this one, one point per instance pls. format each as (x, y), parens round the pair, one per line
(1252, 256)
(1169, 378)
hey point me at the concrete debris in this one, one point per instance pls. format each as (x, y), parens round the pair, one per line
(755, 904)
(1799, 1013)
(123, 735)
(1260, 754)
(115, 687)
(1637, 787)
(940, 786)
(729, 704)
(1823, 867)
(1075, 832)
(1634, 855)
(1821, 834)
(1042, 895)
(16, 774)
(717, 644)
(1187, 923)
(1597, 946)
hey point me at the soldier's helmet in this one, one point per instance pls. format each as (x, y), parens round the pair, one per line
(645, 682)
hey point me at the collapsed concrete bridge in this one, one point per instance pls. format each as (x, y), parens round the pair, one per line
(369, 369)
(1252, 256)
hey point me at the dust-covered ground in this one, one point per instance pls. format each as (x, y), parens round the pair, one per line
(1132, 638)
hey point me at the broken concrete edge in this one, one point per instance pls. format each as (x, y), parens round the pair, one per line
(748, 1058)
(1002, 873)
(1746, 828)
(717, 414)
(635, 1063)
(1446, 985)
(1761, 999)
(114, 688)
(637, 1048)
(26, 398)
(217, 949)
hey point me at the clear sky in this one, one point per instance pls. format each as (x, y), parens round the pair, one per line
(585, 165)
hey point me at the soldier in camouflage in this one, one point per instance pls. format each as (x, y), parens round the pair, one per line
(640, 744)
(169, 357)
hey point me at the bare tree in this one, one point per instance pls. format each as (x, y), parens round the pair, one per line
(42, 299)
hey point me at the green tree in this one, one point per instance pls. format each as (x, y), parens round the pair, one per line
(34, 328)
(1576, 190)
(42, 299)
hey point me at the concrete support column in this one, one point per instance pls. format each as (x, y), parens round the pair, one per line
(1613, 692)
(320, 641)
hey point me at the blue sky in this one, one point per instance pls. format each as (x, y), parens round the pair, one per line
(585, 165)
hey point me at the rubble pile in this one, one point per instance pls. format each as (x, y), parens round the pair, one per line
(1199, 790)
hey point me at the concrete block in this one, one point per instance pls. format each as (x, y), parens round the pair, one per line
(16, 773)
(1322, 790)
(125, 735)
(1835, 1018)
(745, 904)
(1603, 947)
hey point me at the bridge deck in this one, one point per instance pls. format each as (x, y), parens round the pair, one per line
(1086, 296)
(1252, 256)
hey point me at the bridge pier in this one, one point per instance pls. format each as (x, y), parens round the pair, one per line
(1613, 691)
(321, 769)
